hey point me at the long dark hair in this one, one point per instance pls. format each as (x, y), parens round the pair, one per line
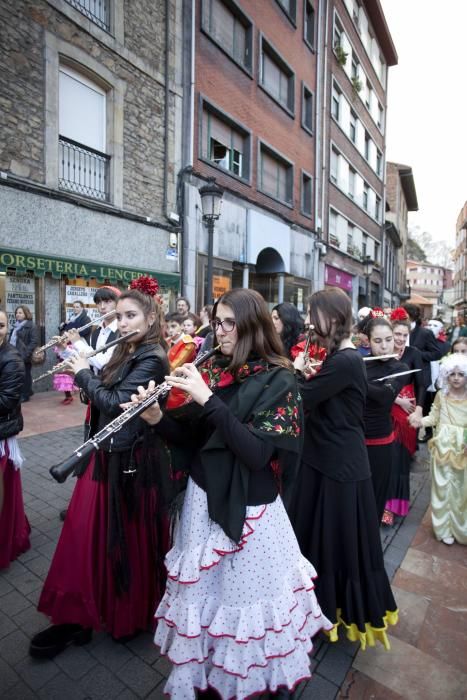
(256, 334)
(336, 311)
(378, 321)
(152, 336)
(292, 322)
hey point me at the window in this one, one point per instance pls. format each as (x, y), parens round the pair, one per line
(334, 164)
(377, 208)
(337, 33)
(335, 102)
(366, 191)
(98, 11)
(352, 176)
(355, 67)
(83, 163)
(225, 143)
(379, 163)
(309, 24)
(276, 77)
(368, 92)
(367, 145)
(306, 194)
(350, 231)
(353, 126)
(307, 109)
(364, 246)
(289, 7)
(380, 121)
(332, 223)
(275, 176)
(223, 21)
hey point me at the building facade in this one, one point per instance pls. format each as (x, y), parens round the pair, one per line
(460, 265)
(91, 101)
(254, 131)
(427, 283)
(357, 53)
(401, 197)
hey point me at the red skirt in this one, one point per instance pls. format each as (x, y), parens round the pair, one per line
(14, 525)
(80, 587)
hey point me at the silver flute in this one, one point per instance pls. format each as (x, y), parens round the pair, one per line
(62, 366)
(62, 471)
(62, 338)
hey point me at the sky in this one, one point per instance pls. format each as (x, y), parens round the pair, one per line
(427, 107)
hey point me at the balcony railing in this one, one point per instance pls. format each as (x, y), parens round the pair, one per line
(83, 170)
(95, 10)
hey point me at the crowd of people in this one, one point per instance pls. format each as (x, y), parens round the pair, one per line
(242, 514)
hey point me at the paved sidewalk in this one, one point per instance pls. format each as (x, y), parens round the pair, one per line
(105, 670)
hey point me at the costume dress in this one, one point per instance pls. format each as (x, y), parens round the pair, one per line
(239, 610)
(61, 380)
(333, 508)
(448, 467)
(14, 525)
(107, 570)
(379, 432)
(405, 437)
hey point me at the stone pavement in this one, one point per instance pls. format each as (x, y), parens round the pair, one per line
(106, 670)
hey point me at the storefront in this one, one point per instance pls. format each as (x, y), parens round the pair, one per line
(333, 277)
(49, 285)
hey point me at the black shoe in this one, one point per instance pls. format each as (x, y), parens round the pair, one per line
(62, 514)
(54, 639)
(283, 694)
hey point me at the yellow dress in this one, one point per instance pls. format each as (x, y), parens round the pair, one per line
(448, 467)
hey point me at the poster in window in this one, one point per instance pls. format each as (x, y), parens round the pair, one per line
(19, 291)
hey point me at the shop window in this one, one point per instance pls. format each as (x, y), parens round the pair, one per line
(230, 28)
(224, 143)
(83, 163)
(275, 177)
(276, 77)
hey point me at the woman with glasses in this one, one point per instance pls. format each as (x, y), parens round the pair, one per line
(239, 611)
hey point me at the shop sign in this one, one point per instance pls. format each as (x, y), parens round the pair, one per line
(220, 285)
(39, 265)
(338, 278)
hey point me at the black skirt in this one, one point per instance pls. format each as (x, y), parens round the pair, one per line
(381, 459)
(338, 531)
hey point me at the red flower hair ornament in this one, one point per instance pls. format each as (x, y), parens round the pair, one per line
(377, 312)
(399, 314)
(146, 285)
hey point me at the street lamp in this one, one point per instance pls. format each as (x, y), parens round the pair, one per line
(367, 271)
(211, 200)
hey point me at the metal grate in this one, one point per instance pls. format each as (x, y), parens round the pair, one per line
(83, 170)
(97, 11)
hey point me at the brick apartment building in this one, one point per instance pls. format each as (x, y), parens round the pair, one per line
(90, 101)
(401, 197)
(460, 265)
(358, 50)
(254, 130)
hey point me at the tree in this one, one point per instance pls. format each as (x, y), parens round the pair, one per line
(415, 251)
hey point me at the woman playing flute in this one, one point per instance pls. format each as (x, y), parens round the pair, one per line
(239, 611)
(333, 509)
(107, 570)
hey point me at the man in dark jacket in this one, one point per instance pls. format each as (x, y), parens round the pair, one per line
(422, 339)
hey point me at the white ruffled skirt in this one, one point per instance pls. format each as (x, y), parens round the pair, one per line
(236, 618)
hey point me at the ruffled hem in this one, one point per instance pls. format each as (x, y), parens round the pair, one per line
(185, 567)
(371, 634)
(446, 456)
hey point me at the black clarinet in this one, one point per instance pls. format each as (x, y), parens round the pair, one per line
(62, 471)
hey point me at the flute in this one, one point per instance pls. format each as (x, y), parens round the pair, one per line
(64, 365)
(61, 472)
(62, 338)
(369, 358)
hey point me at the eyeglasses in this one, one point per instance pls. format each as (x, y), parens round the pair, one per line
(227, 325)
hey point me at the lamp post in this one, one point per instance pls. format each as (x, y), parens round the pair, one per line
(367, 270)
(211, 200)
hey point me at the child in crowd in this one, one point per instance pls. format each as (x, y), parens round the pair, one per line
(448, 449)
(174, 328)
(190, 324)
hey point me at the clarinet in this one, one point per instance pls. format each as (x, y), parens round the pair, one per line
(62, 471)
